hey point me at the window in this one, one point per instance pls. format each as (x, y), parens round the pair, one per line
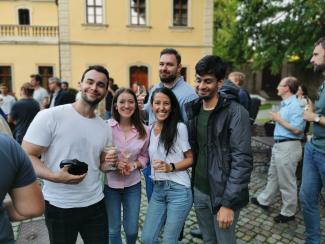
(180, 12)
(46, 72)
(5, 76)
(23, 16)
(138, 12)
(139, 74)
(94, 11)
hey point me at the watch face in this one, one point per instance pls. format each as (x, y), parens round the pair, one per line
(317, 119)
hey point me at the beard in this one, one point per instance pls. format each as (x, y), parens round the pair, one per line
(168, 79)
(91, 103)
(319, 68)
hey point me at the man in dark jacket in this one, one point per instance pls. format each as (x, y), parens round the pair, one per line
(219, 134)
(58, 95)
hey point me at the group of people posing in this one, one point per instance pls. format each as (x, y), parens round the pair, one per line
(204, 129)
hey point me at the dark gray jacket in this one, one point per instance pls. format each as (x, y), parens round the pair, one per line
(230, 160)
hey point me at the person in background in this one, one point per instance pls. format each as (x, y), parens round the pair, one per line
(123, 186)
(23, 111)
(19, 180)
(302, 96)
(40, 94)
(313, 172)
(238, 79)
(170, 157)
(109, 98)
(64, 85)
(58, 95)
(286, 153)
(7, 99)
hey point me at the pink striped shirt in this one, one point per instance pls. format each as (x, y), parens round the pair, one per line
(138, 150)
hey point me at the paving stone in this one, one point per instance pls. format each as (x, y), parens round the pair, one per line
(254, 225)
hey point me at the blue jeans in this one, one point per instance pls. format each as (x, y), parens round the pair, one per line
(169, 206)
(209, 227)
(313, 179)
(149, 184)
(130, 198)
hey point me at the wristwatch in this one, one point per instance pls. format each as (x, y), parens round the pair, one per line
(317, 118)
(173, 167)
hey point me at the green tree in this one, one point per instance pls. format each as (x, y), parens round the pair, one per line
(270, 32)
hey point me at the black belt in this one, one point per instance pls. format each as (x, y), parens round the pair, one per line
(287, 139)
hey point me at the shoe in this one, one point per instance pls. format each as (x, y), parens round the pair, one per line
(254, 201)
(283, 219)
(196, 233)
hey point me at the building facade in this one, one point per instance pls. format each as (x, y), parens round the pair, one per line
(62, 38)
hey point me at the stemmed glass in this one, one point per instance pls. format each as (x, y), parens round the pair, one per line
(111, 149)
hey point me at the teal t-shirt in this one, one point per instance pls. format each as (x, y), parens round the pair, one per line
(318, 139)
(201, 168)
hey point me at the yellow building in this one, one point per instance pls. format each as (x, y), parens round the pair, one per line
(62, 38)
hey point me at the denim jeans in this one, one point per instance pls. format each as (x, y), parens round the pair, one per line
(313, 179)
(149, 184)
(209, 227)
(169, 206)
(130, 199)
(64, 224)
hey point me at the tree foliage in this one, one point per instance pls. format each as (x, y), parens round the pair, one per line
(270, 32)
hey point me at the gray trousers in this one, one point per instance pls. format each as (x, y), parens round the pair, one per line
(282, 176)
(209, 227)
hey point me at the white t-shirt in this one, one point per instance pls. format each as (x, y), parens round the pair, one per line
(7, 103)
(157, 152)
(69, 135)
(40, 94)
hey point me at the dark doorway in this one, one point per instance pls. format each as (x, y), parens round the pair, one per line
(139, 74)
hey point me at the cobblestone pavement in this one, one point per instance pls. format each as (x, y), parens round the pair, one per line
(254, 225)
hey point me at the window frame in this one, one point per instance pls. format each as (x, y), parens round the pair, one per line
(3, 77)
(87, 15)
(138, 15)
(20, 13)
(188, 11)
(45, 78)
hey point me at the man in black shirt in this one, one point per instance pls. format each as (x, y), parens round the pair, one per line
(23, 111)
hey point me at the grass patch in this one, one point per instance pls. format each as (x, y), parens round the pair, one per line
(262, 120)
(266, 106)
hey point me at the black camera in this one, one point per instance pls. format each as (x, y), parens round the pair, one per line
(76, 167)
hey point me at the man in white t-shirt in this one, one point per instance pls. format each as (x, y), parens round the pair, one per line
(40, 94)
(74, 203)
(7, 99)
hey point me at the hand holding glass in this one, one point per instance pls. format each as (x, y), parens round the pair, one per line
(111, 151)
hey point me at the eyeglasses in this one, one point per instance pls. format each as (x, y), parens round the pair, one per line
(282, 85)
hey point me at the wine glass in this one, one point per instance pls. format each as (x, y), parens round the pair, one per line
(111, 149)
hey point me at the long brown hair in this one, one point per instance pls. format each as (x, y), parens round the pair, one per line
(135, 118)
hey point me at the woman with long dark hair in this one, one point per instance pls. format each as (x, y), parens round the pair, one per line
(123, 186)
(170, 157)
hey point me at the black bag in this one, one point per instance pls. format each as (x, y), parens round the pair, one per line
(76, 167)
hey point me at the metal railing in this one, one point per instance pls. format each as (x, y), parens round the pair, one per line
(28, 31)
